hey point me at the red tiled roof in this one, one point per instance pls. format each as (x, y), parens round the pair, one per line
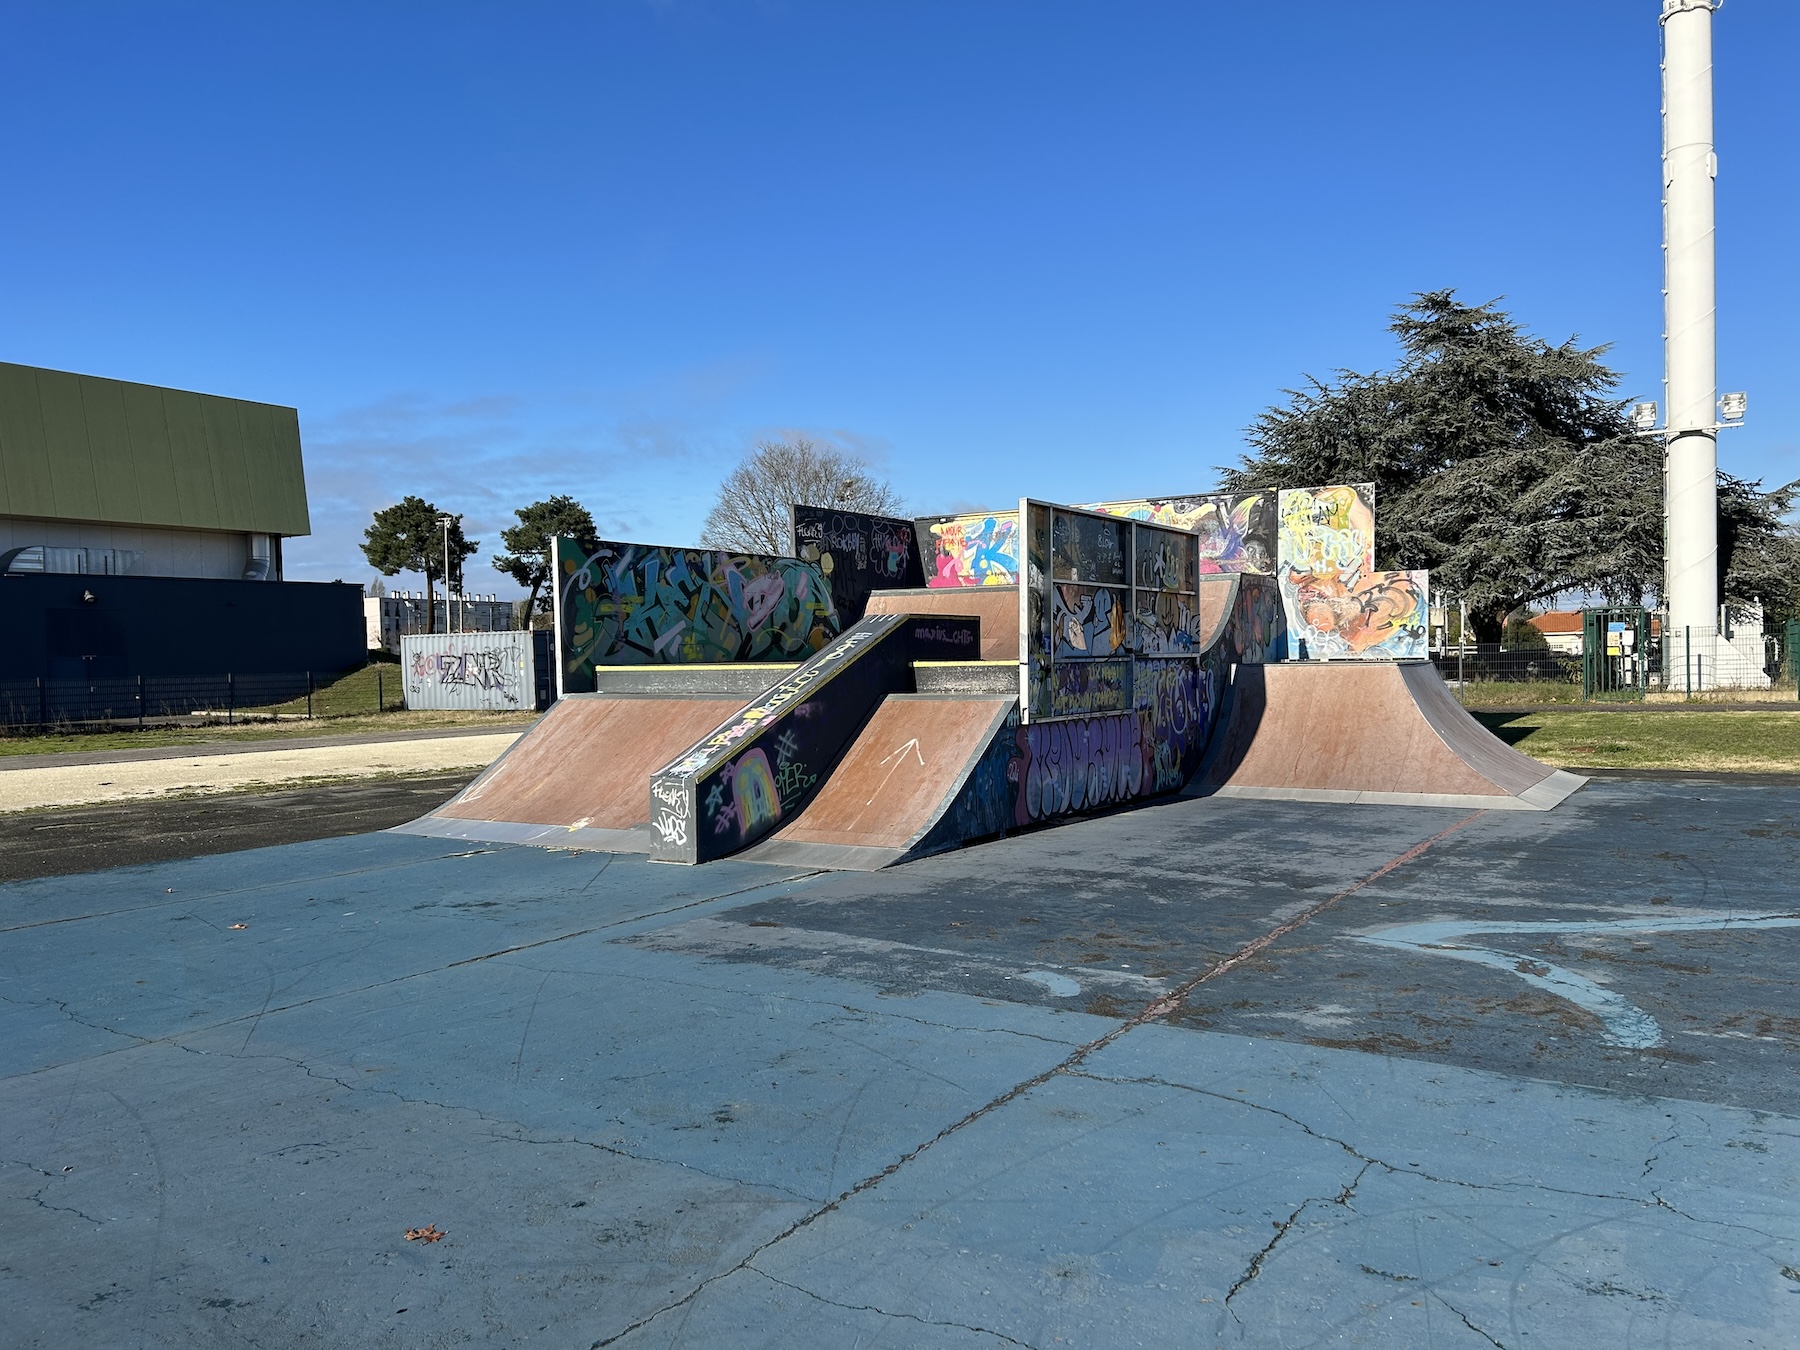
(1558, 621)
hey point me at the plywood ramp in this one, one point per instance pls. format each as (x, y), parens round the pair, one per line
(895, 782)
(1382, 732)
(996, 606)
(581, 775)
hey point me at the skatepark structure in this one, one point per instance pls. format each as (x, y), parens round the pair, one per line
(1094, 665)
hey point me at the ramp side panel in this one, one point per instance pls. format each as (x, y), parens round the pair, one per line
(589, 761)
(996, 606)
(1512, 769)
(900, 774)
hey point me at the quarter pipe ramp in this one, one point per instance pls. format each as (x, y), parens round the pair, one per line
(1388, 733)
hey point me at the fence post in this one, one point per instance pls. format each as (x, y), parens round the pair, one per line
(230, 700)
(309, 696)
(140, 698)
(42, 709)
(1687, 658)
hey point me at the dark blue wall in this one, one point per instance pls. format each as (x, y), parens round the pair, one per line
(176, 626)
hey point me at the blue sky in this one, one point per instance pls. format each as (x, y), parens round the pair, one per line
(497, 251)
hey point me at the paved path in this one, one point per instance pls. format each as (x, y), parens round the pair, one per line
(247, 746)
(202, 771)
(1142, 1080)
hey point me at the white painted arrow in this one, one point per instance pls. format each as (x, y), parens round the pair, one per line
(898, 755)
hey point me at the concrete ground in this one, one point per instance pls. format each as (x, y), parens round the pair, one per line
(1206, 1073)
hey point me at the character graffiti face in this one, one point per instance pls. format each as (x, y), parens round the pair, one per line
(753, 788)
(1365, 614)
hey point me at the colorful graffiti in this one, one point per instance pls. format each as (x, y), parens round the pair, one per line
(1089, 621)
(1079, 765)
(1380, 615)
(858, 554)
(1237, 531)
(1257, 632)
(467, 670)
(972, 550)
(1325, 548)
(634, 604)
(1079, 688)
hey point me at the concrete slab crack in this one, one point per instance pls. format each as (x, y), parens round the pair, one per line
(1283, 1228)
(1000, 1336)
(1466, 1322)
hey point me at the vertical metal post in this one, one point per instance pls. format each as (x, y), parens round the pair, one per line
(230, 700)
(140, 698)
(309, 692)
(43, 709)
(1687, 656)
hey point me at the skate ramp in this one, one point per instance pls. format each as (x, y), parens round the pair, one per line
(890, 795)
(996, 606)
(577, 778)
(1387, 733)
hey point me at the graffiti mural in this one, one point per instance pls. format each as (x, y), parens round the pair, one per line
(1089, 621)
(1379, 615)
(634, 604)
(1257, 632)
(1176, 700)
(858, 554)
(1237, 531)
(973, 550)
(1079, 765)
(1084, 687)
(1325, 548)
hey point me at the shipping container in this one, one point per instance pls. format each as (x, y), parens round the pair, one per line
(490, 672)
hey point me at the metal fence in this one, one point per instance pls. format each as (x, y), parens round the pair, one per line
(1486, 662)
(141, 698)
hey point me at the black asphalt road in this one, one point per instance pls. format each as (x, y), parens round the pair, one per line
(91, 838)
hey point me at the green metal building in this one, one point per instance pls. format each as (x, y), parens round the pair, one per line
(105, 476)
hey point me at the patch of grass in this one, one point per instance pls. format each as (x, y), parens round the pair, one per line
(1506, 693)
(1740, 742)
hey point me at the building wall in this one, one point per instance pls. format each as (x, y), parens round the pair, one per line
(84, 448)
(215, 554)
(72, 627)
(388, 618)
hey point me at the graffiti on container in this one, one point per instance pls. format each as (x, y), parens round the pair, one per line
(487, 669)
(974, 550)
(633, 604)
(857, 553)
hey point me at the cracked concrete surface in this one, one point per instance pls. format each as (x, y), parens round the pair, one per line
(640, 1123)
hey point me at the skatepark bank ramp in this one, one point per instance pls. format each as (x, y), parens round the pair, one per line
(1386, 733)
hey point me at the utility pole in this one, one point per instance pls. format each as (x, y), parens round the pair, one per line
(1690, 466)
(445, 522)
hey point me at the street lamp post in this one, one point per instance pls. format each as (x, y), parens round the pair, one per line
(444, 523)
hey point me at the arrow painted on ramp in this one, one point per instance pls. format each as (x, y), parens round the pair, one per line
(898, 756)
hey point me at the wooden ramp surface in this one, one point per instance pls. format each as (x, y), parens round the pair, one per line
(898, 777)
(582, 774)
(996, 606)
(1377, 732)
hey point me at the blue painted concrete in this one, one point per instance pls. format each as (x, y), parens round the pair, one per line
(218, 1136)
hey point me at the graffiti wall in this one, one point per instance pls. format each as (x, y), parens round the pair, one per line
(636, 604)
(858, 554)
(1338, 606)
(486, 671)
(1237, 531)
(973, 550)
